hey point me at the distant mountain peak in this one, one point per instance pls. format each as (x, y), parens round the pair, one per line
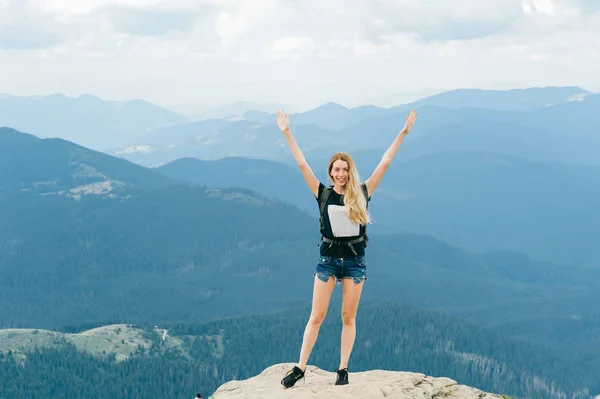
(87, 96)
(331, 106)
(520, 99)
(86, 119)
(144, 149)
(62, 168)
(8, 132)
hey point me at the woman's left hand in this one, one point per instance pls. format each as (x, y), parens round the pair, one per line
(410, 121)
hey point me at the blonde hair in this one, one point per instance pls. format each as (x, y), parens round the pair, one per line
(354, 198)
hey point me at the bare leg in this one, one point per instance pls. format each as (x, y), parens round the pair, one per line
(350, 299)
(320, 302)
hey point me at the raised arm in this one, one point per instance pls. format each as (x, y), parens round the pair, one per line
(373, 181)
(284, 125)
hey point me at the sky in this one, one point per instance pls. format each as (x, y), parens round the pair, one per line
(196, 54)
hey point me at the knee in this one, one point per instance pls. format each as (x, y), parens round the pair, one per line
(348, 319)
(316, 318)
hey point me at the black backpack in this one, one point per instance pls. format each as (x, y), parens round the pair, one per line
(350, 243)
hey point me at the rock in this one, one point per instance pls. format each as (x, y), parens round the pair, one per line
(374, 384)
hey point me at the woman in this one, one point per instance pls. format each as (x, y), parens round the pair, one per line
(344, 217)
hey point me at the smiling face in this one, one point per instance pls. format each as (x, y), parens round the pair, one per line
(339, 172)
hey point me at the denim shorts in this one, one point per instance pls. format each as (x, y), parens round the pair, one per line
(354, 267)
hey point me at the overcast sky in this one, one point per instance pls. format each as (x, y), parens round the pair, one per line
(297, 52)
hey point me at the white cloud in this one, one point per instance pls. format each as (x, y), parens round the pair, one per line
(300, 52)
(366, 48)
(230, 27)
(24, 28)
(442, 19)
(293, 47)
(88, 6)
(153, 22)
(541, 6)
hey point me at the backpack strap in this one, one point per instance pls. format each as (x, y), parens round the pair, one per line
(350, 244)
(365, 192)
(322, 203)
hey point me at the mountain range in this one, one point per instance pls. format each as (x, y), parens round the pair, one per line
(86, 119)
(489, 215)
(563, 132)
(126, 127)
(477, 200)
(161, 249)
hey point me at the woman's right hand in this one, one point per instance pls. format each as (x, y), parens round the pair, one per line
(284, 125)
(283, 121)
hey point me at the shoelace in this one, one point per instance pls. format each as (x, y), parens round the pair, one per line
(296, 375)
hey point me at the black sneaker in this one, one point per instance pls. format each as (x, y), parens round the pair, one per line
(342, 376)
(292, 377)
